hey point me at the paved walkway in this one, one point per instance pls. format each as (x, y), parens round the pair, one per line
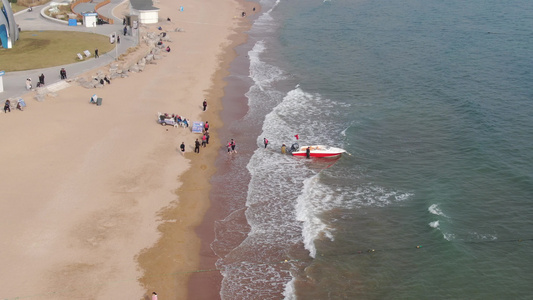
(14, 82)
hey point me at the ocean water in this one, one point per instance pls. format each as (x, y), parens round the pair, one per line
(434, 102)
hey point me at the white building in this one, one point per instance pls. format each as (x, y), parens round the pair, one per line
(145, 11)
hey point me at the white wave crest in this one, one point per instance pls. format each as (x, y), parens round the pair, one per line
(435, 209)
(307, 212)
(434, 224)
(449, 236)
(262, 74)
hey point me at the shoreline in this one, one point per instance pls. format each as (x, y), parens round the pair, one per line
(196, 185)
(234, 88)
(101, 178)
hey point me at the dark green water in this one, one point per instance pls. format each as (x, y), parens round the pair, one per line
(433, 99)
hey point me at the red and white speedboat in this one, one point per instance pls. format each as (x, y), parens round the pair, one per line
(318, 151)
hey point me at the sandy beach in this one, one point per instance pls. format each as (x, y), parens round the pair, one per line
(97, 201)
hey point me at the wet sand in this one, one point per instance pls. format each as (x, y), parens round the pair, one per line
(97, 200)
(206, 285)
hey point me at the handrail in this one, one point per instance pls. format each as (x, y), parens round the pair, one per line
(108, 20)
(80, 17)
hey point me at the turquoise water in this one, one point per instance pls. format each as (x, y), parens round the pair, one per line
(433, 99)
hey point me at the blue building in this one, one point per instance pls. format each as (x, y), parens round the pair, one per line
(8, 28)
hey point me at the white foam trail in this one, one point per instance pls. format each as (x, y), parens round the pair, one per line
(343, 133)
(434, 224)
(481, 236)
(262, 73)
(289, 291)
(435, 209)
(306, 212)
(449, 236)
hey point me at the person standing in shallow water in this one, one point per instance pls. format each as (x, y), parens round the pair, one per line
(266, 142)
(233, 146)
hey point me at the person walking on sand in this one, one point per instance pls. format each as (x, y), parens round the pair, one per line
(197, 146)
(205, 104)
(96, 53)
(182, 147)
(154, 296)
(207, 137)
(204, 144)
(206, 127)
(266, 142)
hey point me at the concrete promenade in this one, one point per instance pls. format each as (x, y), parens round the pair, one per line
(14, 82)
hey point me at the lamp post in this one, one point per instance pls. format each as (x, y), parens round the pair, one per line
(116, 45)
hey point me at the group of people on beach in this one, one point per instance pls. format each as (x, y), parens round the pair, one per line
(7, 105)
(179, 120)
(231, 147)
(205, 139)
(205, 136)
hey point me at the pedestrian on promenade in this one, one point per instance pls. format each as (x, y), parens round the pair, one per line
(28, 84)
(197, 146)
(266, 142)
(63, 73)
(118, 39)
(205, 104)
(96, 53)
(41, 79)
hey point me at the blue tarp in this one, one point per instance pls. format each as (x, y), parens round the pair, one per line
(197, 127)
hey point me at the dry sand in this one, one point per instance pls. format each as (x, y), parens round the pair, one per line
(95, 201)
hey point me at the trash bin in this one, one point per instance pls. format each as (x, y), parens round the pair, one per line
(99, 101)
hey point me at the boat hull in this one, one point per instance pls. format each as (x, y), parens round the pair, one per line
(319, 151)
(316, 154)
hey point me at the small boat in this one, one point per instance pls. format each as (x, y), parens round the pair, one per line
(317, 151)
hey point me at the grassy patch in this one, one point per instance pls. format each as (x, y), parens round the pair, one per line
(43, 49)
(16, 8)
